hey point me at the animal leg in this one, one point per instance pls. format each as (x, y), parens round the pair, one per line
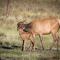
(33, 48)
(32, 42)
(23, 45)
(41, 38)
(55, 40)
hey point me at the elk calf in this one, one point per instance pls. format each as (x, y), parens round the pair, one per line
(24, 34)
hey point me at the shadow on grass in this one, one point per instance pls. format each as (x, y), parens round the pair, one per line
(9, 46)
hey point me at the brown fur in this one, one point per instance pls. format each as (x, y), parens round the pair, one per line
(46, 26)
(41, 27)
(25, 35)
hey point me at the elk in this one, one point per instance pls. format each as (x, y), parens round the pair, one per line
(42, 27)
(25, 36)
(46, 26)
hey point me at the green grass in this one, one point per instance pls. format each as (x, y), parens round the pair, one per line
(17, 54)
(26, 55)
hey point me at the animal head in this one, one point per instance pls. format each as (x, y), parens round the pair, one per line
(23, 26)
(20, 25)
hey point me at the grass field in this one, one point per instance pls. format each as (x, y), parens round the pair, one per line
(10, 48)
(20, 10)
(17, 54)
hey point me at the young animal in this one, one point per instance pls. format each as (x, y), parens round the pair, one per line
(25, 34)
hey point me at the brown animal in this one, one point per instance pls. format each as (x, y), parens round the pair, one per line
(40, 27)
(46, 26)
(24, 34)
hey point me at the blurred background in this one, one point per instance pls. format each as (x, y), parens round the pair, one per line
(13, 11)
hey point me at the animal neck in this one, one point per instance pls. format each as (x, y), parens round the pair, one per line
(27, 27)
(21, 31)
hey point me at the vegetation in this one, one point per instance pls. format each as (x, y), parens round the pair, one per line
(20, 10)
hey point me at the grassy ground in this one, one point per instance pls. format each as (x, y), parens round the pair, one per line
(17, 54)
(10, 48)
(10, 42)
